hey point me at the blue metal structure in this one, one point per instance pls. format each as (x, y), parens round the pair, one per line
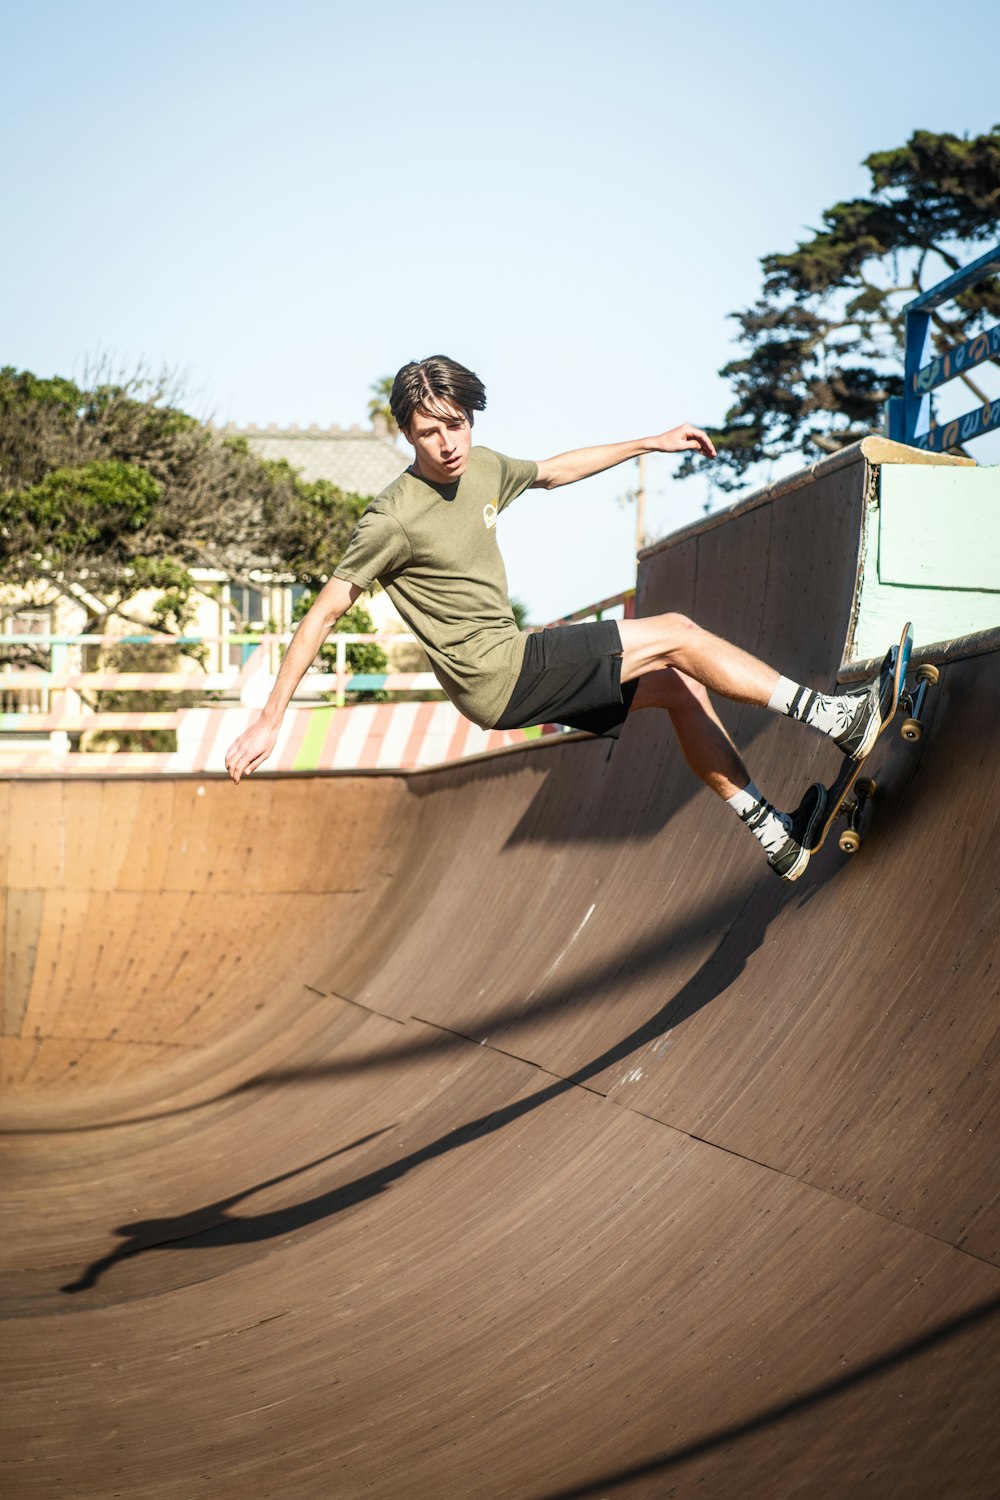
(906, 411)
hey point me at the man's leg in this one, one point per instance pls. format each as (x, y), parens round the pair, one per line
(707, 747)
(852, 719)
(660, 641)
(713, 757)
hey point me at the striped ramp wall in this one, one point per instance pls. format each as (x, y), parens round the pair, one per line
(369, 736)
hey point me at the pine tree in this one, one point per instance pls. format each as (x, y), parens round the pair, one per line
(824, 342)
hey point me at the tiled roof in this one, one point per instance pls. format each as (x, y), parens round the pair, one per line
(362, 462)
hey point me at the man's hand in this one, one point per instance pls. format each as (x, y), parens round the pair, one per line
(251, 749)
(256, 743)
(683, 439)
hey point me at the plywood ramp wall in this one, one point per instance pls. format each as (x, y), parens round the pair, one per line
(509, 1131)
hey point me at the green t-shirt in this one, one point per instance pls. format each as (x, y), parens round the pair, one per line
(433, 548)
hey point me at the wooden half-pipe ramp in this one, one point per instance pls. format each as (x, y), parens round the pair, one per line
(508, 1131)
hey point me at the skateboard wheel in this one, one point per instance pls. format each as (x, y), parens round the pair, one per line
(912, 731)
(850, 841)
(865, 787)
(928, 673)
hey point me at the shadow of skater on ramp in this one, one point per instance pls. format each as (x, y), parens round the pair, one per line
(212, 1225)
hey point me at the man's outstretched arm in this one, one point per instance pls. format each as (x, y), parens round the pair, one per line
(566, 468)
(256, 743)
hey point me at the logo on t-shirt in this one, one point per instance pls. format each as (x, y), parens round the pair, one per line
(490, 516)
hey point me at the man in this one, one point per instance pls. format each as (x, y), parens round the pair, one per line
(430, 540)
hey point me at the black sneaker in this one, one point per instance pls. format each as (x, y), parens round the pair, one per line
(788, 859)
(874, 705)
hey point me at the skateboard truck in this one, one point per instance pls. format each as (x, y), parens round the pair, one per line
(853, 810)
(912, 704)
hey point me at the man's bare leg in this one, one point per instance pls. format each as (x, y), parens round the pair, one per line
(852, 719)
(713, 757)
(707, 747)
(676, 662)
(672, 640)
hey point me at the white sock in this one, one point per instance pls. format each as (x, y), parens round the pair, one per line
(764, 821)
(823, 711)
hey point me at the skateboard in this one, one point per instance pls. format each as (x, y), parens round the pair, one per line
(851, 792)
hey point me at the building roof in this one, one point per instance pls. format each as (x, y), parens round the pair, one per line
(361, 461)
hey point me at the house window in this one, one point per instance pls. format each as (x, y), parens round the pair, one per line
(25, 655)
(251, 605)
(253, 610)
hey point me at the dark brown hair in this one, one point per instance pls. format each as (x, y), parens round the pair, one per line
(424, 384)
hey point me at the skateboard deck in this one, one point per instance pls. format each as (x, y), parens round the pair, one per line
(849, 793)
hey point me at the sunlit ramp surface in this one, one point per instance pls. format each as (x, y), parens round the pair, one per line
(508, 1130)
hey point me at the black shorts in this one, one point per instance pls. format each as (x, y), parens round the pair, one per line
(572, 674)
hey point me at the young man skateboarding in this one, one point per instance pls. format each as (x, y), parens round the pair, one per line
(430, 540)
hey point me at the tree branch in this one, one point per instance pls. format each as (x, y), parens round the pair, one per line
(144, 625)
(828, 445)
(975, 389)
(67, 590)
(949, 260)
(953, 330)
(889, 291)
(233, 575)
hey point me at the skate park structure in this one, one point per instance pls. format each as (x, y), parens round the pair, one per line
(507, 1130)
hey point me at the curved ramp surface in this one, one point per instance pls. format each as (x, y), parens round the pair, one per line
(507, 1130)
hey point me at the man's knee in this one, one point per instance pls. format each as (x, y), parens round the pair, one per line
(655, 642)
(670, 688)
(673, 633)
(673, 624)
(688, 690)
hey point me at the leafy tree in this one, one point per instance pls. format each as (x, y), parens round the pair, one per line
(309, 532)
(112, 490)
(824, 342)
(110, 494)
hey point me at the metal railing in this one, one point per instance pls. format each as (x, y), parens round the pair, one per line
(911, 410)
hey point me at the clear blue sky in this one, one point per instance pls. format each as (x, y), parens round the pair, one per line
(286, 201)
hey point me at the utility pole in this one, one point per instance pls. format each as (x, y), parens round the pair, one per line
(640, 505)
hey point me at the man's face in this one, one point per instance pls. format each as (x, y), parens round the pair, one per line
(441, 440)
